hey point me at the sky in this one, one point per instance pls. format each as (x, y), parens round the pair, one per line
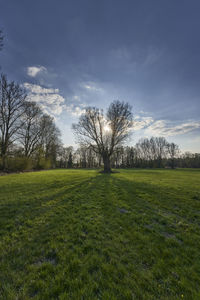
(70, 54)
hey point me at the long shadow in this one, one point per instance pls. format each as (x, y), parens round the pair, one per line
(157, 197)
(34, 207)
(158, 203)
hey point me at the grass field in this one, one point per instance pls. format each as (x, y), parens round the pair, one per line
(79, 234)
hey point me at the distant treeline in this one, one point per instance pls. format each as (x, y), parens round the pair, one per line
(155, 152)
(30, 140)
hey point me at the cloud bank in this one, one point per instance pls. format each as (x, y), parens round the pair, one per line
(49, 99)
(51, 102)
(165, 128)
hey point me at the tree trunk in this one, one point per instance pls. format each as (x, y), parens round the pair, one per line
(106, 162)
(99, 163)
(3, 157)
(172, 163)
(159, 162)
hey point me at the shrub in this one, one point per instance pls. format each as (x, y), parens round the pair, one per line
(43, 164)
(19, 164)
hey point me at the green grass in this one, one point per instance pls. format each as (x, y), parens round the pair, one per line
(79, 234)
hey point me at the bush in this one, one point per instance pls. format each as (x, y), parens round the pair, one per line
(43, 164)
(19, 164)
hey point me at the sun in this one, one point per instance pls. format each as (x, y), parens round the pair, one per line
(106, 128)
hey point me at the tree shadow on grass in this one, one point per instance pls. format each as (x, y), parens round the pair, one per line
(16, 213)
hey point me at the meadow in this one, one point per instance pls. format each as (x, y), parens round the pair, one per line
(80, 234)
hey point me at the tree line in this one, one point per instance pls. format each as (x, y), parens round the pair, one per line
(131, 157)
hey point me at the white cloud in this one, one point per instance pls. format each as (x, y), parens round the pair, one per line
(76, 98)
(164, 128)
(91, 86)
(37, 89)
(141, 122)
(51, 102)
(49, 99)
(74, 110)
(33, 71)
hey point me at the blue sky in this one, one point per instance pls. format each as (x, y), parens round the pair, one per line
(72, 54)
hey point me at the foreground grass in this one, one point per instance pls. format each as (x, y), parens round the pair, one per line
(79, 234)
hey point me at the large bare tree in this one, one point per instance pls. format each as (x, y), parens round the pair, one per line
(30, 131)
(12, 107)
(104, 133)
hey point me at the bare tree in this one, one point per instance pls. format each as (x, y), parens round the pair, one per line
(160, 146)
(70, 161)
(104, 133)
(173, 151)
(49, 139)
(30, 130)
(64, 155)
(12, 100)
(146, 150)
(152, 151)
